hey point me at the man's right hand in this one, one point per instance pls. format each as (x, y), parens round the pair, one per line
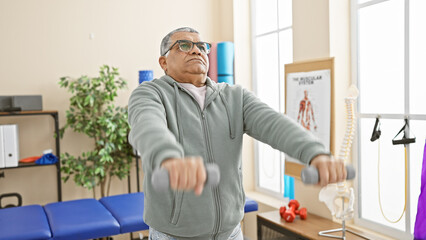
(186, 173)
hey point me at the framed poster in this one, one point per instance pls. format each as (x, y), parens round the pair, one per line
(309, 101)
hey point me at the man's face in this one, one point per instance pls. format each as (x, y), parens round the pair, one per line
(183, 66)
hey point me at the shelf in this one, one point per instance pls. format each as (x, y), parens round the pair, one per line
(21, 165)
(28, 113)
(55, 116)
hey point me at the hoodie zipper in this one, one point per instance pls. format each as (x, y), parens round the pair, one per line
(231, 130)
(215, 189)
(210, 160)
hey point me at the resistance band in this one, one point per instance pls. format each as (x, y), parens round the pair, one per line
(378, 182)
(405, 140)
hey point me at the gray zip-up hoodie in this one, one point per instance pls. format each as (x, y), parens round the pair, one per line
(167, 122)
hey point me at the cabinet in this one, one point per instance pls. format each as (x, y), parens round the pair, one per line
(54, 115)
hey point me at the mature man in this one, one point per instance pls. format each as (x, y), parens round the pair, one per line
(184, 120)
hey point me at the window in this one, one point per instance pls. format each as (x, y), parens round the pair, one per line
(390, 37)
(272, 49)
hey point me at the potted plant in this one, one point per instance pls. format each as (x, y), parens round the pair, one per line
(93, 113)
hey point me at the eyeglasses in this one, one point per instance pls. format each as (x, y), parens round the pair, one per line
(186, 46)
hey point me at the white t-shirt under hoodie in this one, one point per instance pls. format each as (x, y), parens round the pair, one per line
(198, 92)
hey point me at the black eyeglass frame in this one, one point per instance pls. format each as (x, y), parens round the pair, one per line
(193, 43)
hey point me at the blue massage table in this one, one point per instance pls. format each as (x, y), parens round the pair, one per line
(79, 219)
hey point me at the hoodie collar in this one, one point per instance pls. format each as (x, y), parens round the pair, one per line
(212, 89)
(210, 84)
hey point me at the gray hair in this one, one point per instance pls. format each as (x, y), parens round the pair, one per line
(165, 43)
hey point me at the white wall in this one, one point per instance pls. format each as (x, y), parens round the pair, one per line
(243, 76)
(310, 29)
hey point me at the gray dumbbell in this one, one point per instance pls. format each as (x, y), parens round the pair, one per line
(310, 174)
(160, 177)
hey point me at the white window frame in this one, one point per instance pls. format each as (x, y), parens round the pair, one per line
(356, 154)
(280, 88)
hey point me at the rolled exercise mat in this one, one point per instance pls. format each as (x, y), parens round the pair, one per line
(145, 75)
(226, 79)
(212, 73)
(289, 187)
(225, 62)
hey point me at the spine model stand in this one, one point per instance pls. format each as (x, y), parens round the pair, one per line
(339, 198)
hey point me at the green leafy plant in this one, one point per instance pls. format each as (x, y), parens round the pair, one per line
(93, 113)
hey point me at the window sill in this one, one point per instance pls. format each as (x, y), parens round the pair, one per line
(267, 199)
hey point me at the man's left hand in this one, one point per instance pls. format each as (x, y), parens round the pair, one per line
(329, 169)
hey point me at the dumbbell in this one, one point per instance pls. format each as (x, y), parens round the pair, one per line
(289, 214)
(310, 174)
(161, 181)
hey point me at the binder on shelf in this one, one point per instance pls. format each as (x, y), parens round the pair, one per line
(2, 165)
(10, 145)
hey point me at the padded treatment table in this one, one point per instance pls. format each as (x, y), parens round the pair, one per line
(23, 223)
(80, 219)
(128, 210)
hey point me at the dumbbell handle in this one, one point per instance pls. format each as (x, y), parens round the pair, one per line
(161, 181)
(310, 174)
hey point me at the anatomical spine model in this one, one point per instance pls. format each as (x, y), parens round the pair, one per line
(339, 198)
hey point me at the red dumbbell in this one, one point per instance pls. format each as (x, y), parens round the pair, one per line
(303, 213)
(282, 211)
(290, 214)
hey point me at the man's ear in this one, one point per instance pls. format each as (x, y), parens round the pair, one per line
(163, 63)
